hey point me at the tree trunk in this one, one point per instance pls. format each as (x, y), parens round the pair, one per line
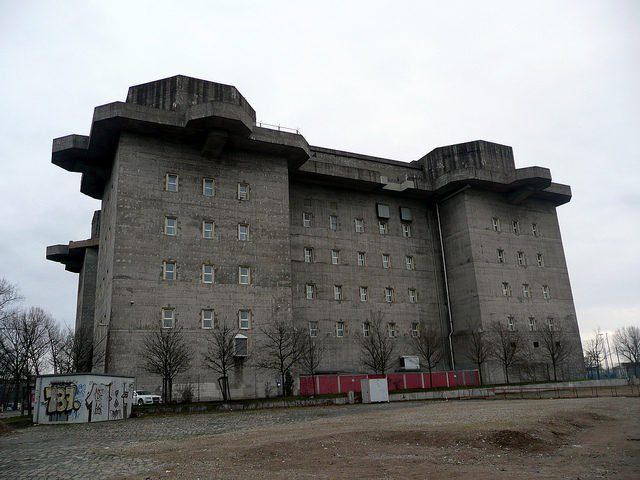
(282, 383)
(506, 374)
(480, 373)
(555, 376)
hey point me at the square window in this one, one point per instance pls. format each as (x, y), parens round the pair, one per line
(526, 290)
(308, 255)
(540, 260)
(406, 230)
(506, 289)
(366, 329)
(306, 219)
(333, 222)
(391, 329)
(335, 257)
(383, 227)
(534, 229)
(310, 291)
(337, 292)
(408, 261)
(388, 294)
(532, 324)
(207, 319)
(313, 329)
(244, 319)
(243, 232)
(495, 223)
(170, 225)
(545, 292)
(536, 344)
(383, 210)
(168, 318)
(362, 259)
(405, 214)
(208, 189)
(240, 346)
(169, 270)
(413, 295)
(363, 294)
(500, 256)
(171, 182)
(415, 329)
(386, 260)
(244, 275)
(359, 223)
(516, 227)
(339, 329)
(243, 191)
(207, 229)
(207, 273)
(511, 323)
(522, 259)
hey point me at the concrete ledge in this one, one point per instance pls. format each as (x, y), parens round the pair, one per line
(239, 405)
(458, 394)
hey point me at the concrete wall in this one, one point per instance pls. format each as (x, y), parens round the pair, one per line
(476, 275)
(81, 398)
(139, 291)
(344, 353)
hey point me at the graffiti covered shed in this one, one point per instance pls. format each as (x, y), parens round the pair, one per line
(82, 397)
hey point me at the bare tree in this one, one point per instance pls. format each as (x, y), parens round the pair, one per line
(627, 342)
(428, 345)
(313, 352)
(556, 347)
(377, 347)
(166, 353)
(479, 349)
(9, 295)
(282, 350)
(23, 345)
(505, 346)
(594, 352)
(219, 356)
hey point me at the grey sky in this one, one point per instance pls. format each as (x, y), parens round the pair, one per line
(558, 81)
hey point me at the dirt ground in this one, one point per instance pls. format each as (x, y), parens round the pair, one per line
(486, 439)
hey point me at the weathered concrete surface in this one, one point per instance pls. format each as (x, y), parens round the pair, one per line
(202, 130)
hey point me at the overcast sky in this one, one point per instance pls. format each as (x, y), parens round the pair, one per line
(558, 81)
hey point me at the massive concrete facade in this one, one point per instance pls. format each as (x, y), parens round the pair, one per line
(204, 212)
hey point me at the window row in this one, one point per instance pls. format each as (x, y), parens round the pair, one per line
(169, 272)
(311, 293)
(208, 318)
(172, 183)
(530, 324)
(341, 331)
(361, 258)
(526, 290)
(515, 227)
(208, 228)
(521, 258)
(358, 224)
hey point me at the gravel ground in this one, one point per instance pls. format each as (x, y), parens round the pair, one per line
(568, 438)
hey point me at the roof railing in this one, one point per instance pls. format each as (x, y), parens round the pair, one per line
(280, 128)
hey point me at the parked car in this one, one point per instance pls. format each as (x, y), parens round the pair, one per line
(143, 397)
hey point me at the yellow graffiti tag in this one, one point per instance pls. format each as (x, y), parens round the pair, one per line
(60, 398)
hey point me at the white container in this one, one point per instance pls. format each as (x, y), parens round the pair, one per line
(374, 390)
(82, 398)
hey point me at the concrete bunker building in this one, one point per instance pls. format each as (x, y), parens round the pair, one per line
(207, 215)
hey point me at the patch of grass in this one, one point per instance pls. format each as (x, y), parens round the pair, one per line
(9, 424)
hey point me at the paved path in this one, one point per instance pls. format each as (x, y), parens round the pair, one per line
(100, 450)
